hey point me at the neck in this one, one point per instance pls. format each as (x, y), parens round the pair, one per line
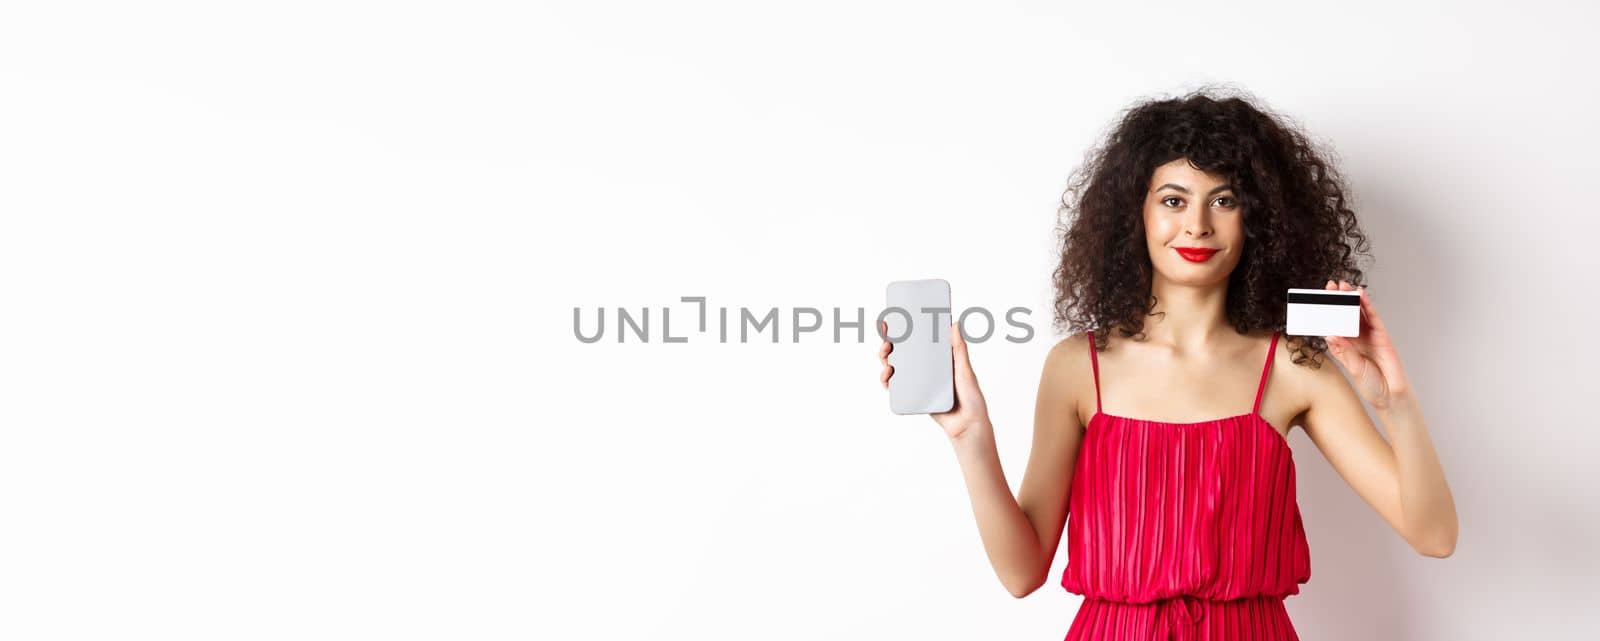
(1195, 317)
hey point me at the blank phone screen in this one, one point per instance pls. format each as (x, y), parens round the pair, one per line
(918, 320)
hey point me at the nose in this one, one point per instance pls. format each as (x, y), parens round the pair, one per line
(1197, 224)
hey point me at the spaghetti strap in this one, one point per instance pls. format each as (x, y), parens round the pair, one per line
(1094, 361)
(1265, 369)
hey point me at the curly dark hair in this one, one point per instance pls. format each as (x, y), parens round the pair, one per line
(1299, 230)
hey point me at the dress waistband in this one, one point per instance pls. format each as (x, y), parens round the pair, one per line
(1183, 617)
(1183, 610)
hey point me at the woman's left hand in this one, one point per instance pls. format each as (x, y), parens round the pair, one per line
(1370, 358)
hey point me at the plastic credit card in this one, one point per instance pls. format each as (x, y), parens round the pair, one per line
(1324, 312)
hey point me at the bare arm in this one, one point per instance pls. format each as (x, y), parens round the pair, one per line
(1021, 534)
(1401, 478)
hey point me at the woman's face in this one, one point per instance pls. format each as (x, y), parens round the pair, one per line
(1185, 208)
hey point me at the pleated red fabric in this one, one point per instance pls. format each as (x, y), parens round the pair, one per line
(1184, 530)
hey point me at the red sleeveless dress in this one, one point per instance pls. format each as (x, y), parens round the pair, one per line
(1184, 530)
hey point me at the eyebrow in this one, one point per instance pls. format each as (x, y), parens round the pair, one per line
(1182, 189)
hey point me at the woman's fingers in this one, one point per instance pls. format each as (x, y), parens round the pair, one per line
(883, 356)
(1371, 313)
(886, 347)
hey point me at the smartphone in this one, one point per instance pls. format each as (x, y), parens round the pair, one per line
(918, 316)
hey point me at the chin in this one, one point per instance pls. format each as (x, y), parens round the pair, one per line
(1197, 275)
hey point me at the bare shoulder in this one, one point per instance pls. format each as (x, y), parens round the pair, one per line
(1300, 383)
(1068, 353)
(1067, 379)
(1073, 345)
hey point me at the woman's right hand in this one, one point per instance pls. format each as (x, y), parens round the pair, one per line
(970, 413)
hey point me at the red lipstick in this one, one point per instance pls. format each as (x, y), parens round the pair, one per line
(1196, 254)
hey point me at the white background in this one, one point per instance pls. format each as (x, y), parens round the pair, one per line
(286, 293)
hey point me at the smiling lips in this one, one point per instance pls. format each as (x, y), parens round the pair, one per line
(1196, 254)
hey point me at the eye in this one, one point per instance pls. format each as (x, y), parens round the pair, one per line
(1227, 201)
(1164, 200)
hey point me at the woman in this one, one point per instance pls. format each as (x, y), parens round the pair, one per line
(1183, 232)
